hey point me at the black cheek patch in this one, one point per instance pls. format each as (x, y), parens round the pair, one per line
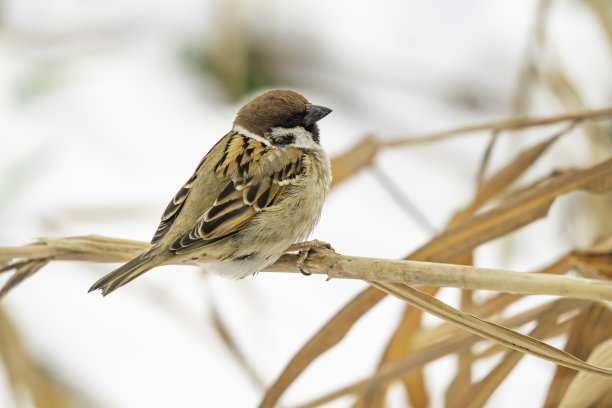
(284, 140)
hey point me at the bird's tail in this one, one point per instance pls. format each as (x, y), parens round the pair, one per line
(125, 273)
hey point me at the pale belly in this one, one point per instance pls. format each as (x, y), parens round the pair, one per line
(265, 238)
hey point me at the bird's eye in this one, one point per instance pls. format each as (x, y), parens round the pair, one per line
(287, 122)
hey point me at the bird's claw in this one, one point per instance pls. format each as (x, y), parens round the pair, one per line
(304, 249)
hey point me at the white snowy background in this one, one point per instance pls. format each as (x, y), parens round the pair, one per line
(102, 120)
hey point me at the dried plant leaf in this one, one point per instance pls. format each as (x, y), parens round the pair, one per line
(421, 338)
(446, 329)
(592, 326)
(566, 91)
(590, 263)
(98, 253)
(415, 385)
(604, 402)
(463, 377)
(515, 213)
(506, 124)
(398, 346)
(25, 374)
(23, 270)
(587, 389)
(558, 330)
(488, 330)
(327, 337)
(92, 245)
(602, 9)
(457, 343)
(564, 183)
(492, 306)
(509, 174)
(486, 157)
(402, 200)
(227, 338)
(355, 159)
(518, 217)
(90, 248)
(398, 369)
(562, 86)
(533, 52)
(476, 395)
(373, 396)
(40, 253)
(487, 190)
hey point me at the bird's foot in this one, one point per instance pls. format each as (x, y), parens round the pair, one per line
(304, 249)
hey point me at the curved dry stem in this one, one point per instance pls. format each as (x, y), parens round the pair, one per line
(458, 342)
(334, 265)
(504, 124)
(488, 330)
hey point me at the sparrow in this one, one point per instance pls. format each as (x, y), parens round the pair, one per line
(257, 192)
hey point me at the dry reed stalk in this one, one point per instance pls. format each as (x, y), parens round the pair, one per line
(501, 125)
(97, 247)
(465, 232)
(459, 342)
(476, 395)
(30, 382)
(334, 265)
(447, 275)
(356, 158)
(402, 338)
(465, 236)
(593, 326)
(488, 330)
(586, 389)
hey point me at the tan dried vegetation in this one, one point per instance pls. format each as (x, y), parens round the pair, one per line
(444, 261)
(581, 313)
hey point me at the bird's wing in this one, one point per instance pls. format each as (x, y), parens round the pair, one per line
(256, 182)
(176, 204)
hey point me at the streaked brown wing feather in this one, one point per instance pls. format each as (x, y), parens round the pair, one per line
(176, 204)
(245, 195)
(173, 209)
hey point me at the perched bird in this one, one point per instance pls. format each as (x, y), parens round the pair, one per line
(258, 191)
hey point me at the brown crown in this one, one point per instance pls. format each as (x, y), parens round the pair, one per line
(266, 110)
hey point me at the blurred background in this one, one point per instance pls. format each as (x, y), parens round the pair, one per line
(106, 107)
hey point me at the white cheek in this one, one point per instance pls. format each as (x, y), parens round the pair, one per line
(303, 138)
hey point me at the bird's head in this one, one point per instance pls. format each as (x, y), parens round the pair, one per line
(283, 118)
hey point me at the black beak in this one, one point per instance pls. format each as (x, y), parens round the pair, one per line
(315, 114)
